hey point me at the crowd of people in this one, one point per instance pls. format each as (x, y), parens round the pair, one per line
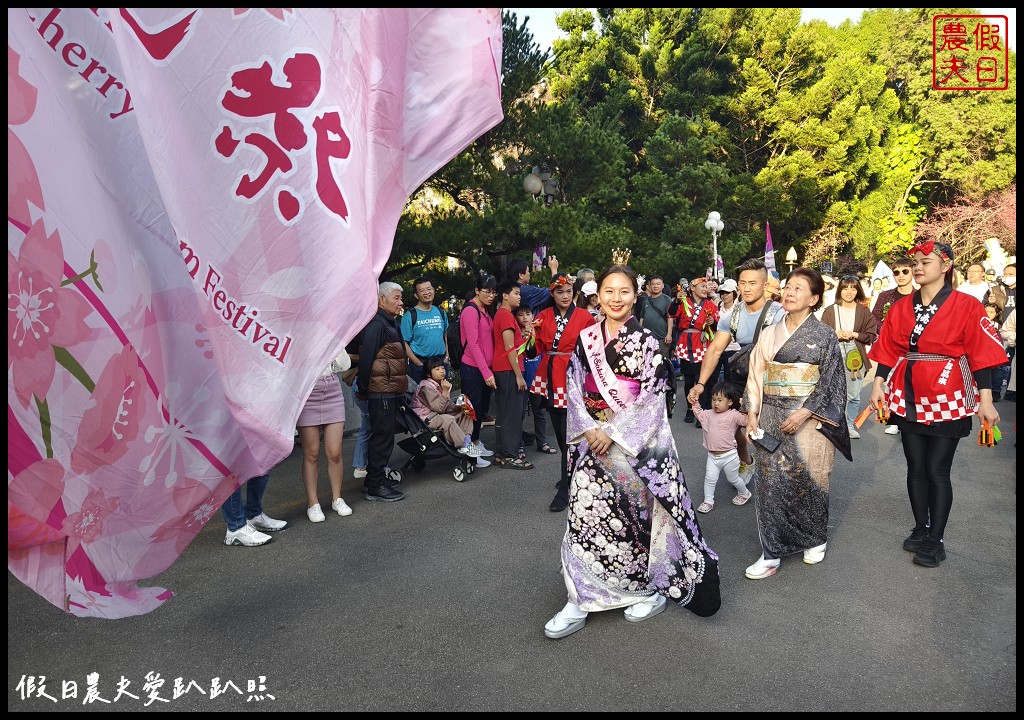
(773, 375)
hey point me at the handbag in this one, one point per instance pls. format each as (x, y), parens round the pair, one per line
(854, 360)
(739, 363)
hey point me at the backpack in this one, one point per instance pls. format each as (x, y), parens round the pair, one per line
(455, 345)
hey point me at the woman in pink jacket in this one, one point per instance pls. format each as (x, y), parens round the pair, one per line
(476, 328)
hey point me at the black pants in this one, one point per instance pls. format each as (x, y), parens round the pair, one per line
(690, 372)
(383, 420)
(929, 461)
(559, 417)
(508, 419)
(479, 394)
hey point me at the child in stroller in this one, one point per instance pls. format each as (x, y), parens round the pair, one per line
(438, 426)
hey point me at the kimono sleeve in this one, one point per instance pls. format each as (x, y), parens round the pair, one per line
(578, 421)
(638, 425)
(827, 402)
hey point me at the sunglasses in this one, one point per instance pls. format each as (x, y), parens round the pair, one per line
(901, 271)
(849, 277)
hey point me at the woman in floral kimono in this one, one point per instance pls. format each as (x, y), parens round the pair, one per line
(632, 538)
(796, 394)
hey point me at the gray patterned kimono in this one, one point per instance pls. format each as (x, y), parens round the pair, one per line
(632, 529)
(791, 484)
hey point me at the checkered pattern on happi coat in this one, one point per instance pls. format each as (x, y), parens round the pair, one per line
(540, 387)
(683, 353)
(941, 408)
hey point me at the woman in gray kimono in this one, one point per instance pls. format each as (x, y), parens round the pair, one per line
(796, 395)
(632, 539)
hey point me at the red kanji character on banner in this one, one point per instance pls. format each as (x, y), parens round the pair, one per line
(954, 37)
(986, 37)
(266, 98)
(328, 127)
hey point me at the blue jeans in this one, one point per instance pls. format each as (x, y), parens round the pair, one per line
(235, 513)
(359, 455)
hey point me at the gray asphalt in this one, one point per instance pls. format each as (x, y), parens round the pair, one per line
(438, 603)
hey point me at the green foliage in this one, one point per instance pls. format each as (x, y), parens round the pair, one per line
(651, 118)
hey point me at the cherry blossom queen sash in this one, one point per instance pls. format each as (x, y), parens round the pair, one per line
(619, 392)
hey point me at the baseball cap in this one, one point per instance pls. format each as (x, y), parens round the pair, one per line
(728, 286)
(589, 288)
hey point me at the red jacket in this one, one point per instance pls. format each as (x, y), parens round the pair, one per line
(550, 378)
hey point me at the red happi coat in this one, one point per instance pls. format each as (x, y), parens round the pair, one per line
(696, 324)
(957, 340)
(550, 378)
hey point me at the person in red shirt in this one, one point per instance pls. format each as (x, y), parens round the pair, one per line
(935, 358)
(507, 365)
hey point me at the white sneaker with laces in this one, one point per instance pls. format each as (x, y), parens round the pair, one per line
(892, 430)
(484, 452)
(481, 463)
(646, 608)
(315, 514)
(341, 507)
(246, 535)
(267, 524)
(358, 473)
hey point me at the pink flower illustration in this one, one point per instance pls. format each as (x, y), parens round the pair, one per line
(40, 313)
(86, 525)
(31, 498)
(112, 415)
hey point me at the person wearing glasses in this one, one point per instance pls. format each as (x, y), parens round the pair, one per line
(477, 328)
(424, 329)
(903, 271)
(855, 327)
(935, 357)
(976, 285)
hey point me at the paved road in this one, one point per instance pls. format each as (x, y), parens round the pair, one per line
(438, 603)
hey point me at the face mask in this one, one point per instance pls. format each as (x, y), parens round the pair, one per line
(1010, 281)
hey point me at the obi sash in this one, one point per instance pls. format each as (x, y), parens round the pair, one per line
(790, 379)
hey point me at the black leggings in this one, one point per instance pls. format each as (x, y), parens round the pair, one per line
(929, 460)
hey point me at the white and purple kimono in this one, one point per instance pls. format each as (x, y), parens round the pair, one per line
(632, 529)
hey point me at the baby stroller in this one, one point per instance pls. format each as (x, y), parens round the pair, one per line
(425, 444)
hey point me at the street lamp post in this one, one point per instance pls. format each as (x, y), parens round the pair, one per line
(715, 225)
(791, 258)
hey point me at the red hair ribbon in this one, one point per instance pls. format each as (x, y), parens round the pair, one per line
(930, 247)
(561, 281)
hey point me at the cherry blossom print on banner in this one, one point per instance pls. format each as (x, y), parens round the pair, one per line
(199, 205)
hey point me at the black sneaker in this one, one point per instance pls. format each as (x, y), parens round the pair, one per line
(931, 552)
(917, 536)
(384, 494)
(689, 417)
(559, 504)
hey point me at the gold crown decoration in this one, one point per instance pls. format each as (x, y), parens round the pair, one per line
(620, 256)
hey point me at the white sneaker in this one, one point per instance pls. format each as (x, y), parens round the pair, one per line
(341, 507)
(815, 555)
(246, 535)
(358, 472)
(267, 524)
(892, 430)
(646, 608)
(484, 452)
(315, 514)
(481, 463)
(854, 435)
(762, 568)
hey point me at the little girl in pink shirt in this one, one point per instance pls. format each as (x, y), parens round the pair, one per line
(719, 427)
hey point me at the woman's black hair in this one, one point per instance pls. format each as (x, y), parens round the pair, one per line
(849, 281)
(621, 270)
(727, 389)
(486, 282)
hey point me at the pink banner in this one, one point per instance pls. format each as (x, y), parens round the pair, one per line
(199, 205)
